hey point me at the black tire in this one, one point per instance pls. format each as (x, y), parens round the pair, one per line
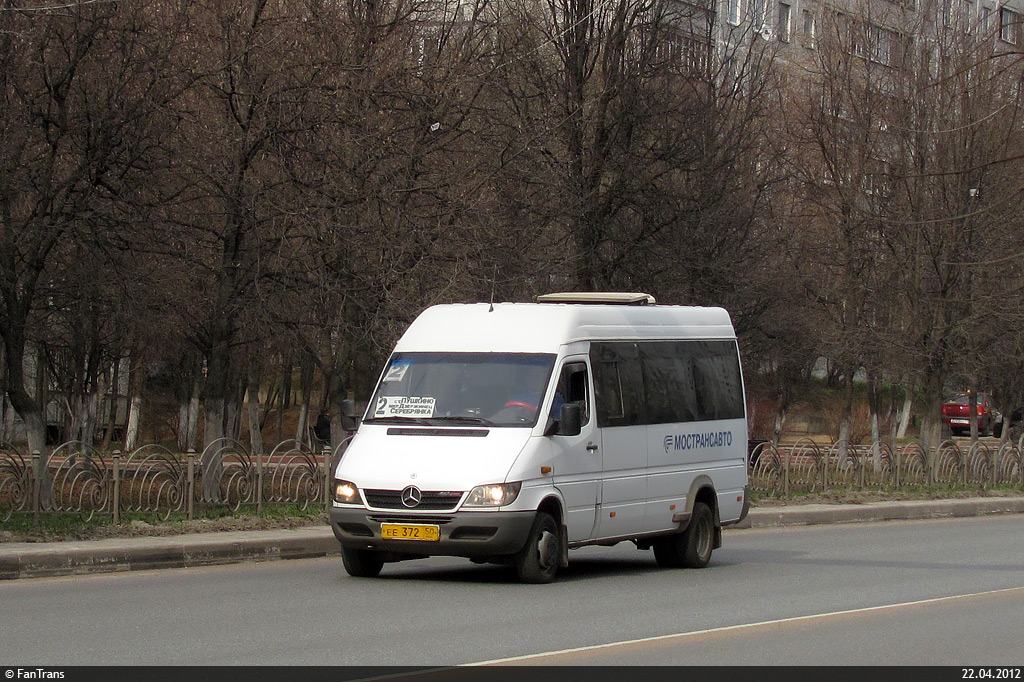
(691, 548)
(361, 563)
(537, 562)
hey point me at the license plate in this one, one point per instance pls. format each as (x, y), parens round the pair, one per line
(403, 531)
(959, 421)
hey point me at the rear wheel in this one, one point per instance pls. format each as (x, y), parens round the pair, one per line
(691, 548)
(538, 561)
(361, 563)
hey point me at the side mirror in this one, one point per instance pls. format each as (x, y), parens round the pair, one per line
(349, 415)
(570, 420)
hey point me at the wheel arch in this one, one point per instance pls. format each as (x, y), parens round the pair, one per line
(552, 505)
(703, 490)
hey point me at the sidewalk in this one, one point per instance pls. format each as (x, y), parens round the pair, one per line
(38, 560)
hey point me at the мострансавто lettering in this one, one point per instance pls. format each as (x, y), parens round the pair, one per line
(689, 441)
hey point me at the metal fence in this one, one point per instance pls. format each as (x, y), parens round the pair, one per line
(77, 479)
(807, 466)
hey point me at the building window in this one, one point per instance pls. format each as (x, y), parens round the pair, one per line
(757, 14)
(808, 31)
(967, 7)
(881, 43)
(685, 52)
(783, 27)
(1008, 23)
(735, 12)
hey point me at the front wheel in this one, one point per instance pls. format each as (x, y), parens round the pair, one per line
(537, 562)
(691, 548)
(361, 563)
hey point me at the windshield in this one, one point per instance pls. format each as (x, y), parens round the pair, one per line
(491, 389)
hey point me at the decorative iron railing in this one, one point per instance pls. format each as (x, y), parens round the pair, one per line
(75, 478)
(78, 479)
(807, 466)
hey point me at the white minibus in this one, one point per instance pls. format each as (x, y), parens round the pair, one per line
(514, 432)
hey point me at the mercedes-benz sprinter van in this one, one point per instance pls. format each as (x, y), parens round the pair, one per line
(514, 432)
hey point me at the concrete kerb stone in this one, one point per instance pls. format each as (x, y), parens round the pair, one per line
(32, 560)
(811, 514)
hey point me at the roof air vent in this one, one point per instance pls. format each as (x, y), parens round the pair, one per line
(606, 297)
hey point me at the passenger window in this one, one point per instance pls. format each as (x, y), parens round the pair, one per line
(659, 382)
(609, 388)
(618, 383)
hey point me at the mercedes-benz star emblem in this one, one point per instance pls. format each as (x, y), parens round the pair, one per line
(411, 496)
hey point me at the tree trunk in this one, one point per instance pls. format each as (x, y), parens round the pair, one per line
(183, 425)
(192, 438)
(212, 460)
(136, 384)
(111, 398)
(285, 398)
(306, 385)
(23, 403)
(908, 406)
(7, 432)
(255, 435)
(876, 436)
(931, 421)
(847, 418)
(780, 422)
(91, 410)
(196, 388)
(235, 407)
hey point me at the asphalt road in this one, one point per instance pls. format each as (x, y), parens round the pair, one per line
(941, 592)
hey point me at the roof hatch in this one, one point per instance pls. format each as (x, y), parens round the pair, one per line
(612, 297)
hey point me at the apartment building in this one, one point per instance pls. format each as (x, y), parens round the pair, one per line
(887, 24)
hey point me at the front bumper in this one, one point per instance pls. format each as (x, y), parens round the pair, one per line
(465, 534)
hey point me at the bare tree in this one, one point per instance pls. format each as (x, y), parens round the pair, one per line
(80, 125)
(250, 79)
(912, 126)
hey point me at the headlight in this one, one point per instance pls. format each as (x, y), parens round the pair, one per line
(496, 495)
(346, 492)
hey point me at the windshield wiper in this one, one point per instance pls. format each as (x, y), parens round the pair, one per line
(462, 419)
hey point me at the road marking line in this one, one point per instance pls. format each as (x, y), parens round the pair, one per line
(744, 626)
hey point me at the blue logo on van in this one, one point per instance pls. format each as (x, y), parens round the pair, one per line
(690, 441)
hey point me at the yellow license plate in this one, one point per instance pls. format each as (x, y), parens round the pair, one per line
(396, 531)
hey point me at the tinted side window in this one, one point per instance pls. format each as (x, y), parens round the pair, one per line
(608, 385)
(619, 399)
(657, 382)
(668, 383)
(716, 373)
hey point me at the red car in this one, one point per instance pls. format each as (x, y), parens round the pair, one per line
(956, 412)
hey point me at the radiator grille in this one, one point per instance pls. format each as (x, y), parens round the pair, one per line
(432, 500)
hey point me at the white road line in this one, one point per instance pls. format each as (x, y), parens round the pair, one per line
(744, 626)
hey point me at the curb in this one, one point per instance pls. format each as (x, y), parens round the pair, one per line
(42, 560)
(813, 514)
(38, 560)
